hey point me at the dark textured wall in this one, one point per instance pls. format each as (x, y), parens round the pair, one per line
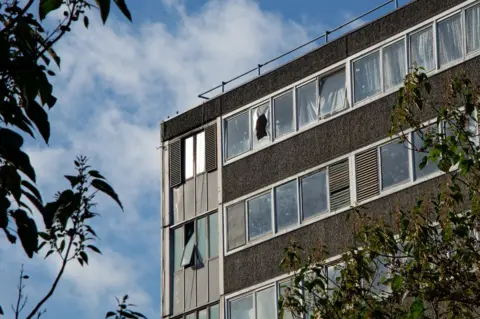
(306, 65)
(340, 136)
(262, 262)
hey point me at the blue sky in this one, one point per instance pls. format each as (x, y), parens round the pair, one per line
(116, 84)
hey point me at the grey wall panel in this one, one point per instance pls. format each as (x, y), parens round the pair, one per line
(213, 282)
(178, 214)
(178, 292)
(190, 289)
(201, 193)
(189, 198)
(249, 266)
(202, 285)
(314, 61)
(212, 190)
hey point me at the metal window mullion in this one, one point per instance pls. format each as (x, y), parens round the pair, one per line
(411, 157)
(294, 104)
(435, 45)
(382, 87)
(272, 210)
(299, 201)
(254, 295)
(272, 128)
(352, 82)
(327, 170)
(246, 216)
(250, 127)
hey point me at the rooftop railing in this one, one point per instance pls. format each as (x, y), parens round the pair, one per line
(324, 36)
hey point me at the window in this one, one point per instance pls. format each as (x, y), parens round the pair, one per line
(333, 276)
(314, 194)
(189, 157)
(242, 308)
(283, 114)
(421, 49)
(202, 314)
(394, 164)
(381, 273)
(237, 135)
(259, 216)
(194, 158)
(214, 312)
(472, 19)
(211, 312)
(202, 238)
(367, 76)
(187, 256)
(394, 69)
(307, 105)
(235, 226)
(286, 211)
(178, 248)
(261, 125)
(283, 286)
(333, 95)
(265, 304)
(450, 39)
(420, 152)
(213, 235)
(200, 160)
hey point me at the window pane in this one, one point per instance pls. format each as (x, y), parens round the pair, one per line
(394, 158)
(450, 37)
(202, 238)
(237, 139)
(261, 125)
(266, 303)
(188, 250)
(283, 112)
(333, 274)
(314, 194)
(200, 153)
(283, 290)
(394, 64)
(242, 308)
(214, 313)
(420, 153)
(286, 205)
(380, 265)
(421, 49)
(178, 248)
(473, 28)
(190, 316)
(367, 76)
(213, 235)
(202, 314)
(333, 96)
(235, 226)
(188, 157)
(259, 216)
(307, 105)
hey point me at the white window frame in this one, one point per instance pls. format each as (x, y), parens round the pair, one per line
(464, 40)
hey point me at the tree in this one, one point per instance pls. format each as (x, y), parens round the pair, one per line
(26, 52)
(424, 263)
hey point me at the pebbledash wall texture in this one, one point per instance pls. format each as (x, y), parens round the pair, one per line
(231, 202)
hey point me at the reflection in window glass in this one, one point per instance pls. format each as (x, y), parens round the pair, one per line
(450, 37)
(213, 312)
(394, 159)
(367, 76)
(202, 238)
(420, 152)
(421, 49)
(472, 19)
(242, 308)
(307, 106)
(283, 290)
(237, 139)
(394, 64)
(283, 113)
(235, 226)
(188, 157)
(213, 235)
(261, 125)
(202, 314)
(200, 151)
(178, 248)
(333, 96)
(265, 303)
(380, 265)
(286, 205)
(314, 194)
(259, 216)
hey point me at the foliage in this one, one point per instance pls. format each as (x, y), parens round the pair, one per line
(425, 264)
(123, 312)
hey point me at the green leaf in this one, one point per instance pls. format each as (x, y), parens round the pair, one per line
(123, 7)
(107, 189)
(27, 231)
(110, 314)
(84, 256)
(37, 114)
(417, 309)
(95, 249)
(104, 6)
(46, 6)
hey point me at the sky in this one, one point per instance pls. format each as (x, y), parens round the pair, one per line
(117, 82)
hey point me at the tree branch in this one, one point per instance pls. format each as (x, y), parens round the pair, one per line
(12, 22)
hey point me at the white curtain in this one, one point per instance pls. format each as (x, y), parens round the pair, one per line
(262, 111)
(307, 104)
(367, 76)
(333, 93)
(473, 28)
(394, 65)
(266, 304)
(450, 40)
(422, 49)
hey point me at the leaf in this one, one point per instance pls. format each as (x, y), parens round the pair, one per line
(20, 160)
(48, 213)
(44, 235)
(33, 200)
(10, 179)
(110, 314)
(37, 114)
(95, 249)
(123, 7)
(3, 219)
(46, 6)
(33, 189)
(74, 180)
(417, 308)
(49, 253)
(104, 6)
(27, 231)
(84, 256)
(80, 260)
(1, 311)
(107, 189)
(10, 138)
(95, 174)
(85, 21)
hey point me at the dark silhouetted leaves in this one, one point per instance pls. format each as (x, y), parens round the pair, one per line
(10, 179)
(95, 249)
(46, 6)
(110, 314)
(107, 189)
(32, 189)
(84, 257)
(38, 115)
(27, 231)
(33, 200)
(104, 6)
(123, 7)
(95, 174)
(74, 180)
(48, 213)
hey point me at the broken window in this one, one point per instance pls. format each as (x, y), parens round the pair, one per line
(261, 125)
(187, 257)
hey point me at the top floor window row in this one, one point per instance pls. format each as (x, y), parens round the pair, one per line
(440, 44)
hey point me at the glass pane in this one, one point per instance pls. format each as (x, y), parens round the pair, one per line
(286, 205)
(266, 303)
(367, 76)
(214, 312)
(202, 238)
(242, 308)
(237, 139)
(190, 316)
(394, 158)
(394, 64)
(333, 274)
(421, 49)
(178, 248)
(472, 19)
(213, 235)
(314, 194)
(200, 153)
(333, 96)
(189, 157)
(450, 37)
(202, 314)
(380, 265)
(261, 125)
(420, 152)
(188, 252)
(259, 216)
(307, 106)
(283, 113)
(235, 226)
(283, 290)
